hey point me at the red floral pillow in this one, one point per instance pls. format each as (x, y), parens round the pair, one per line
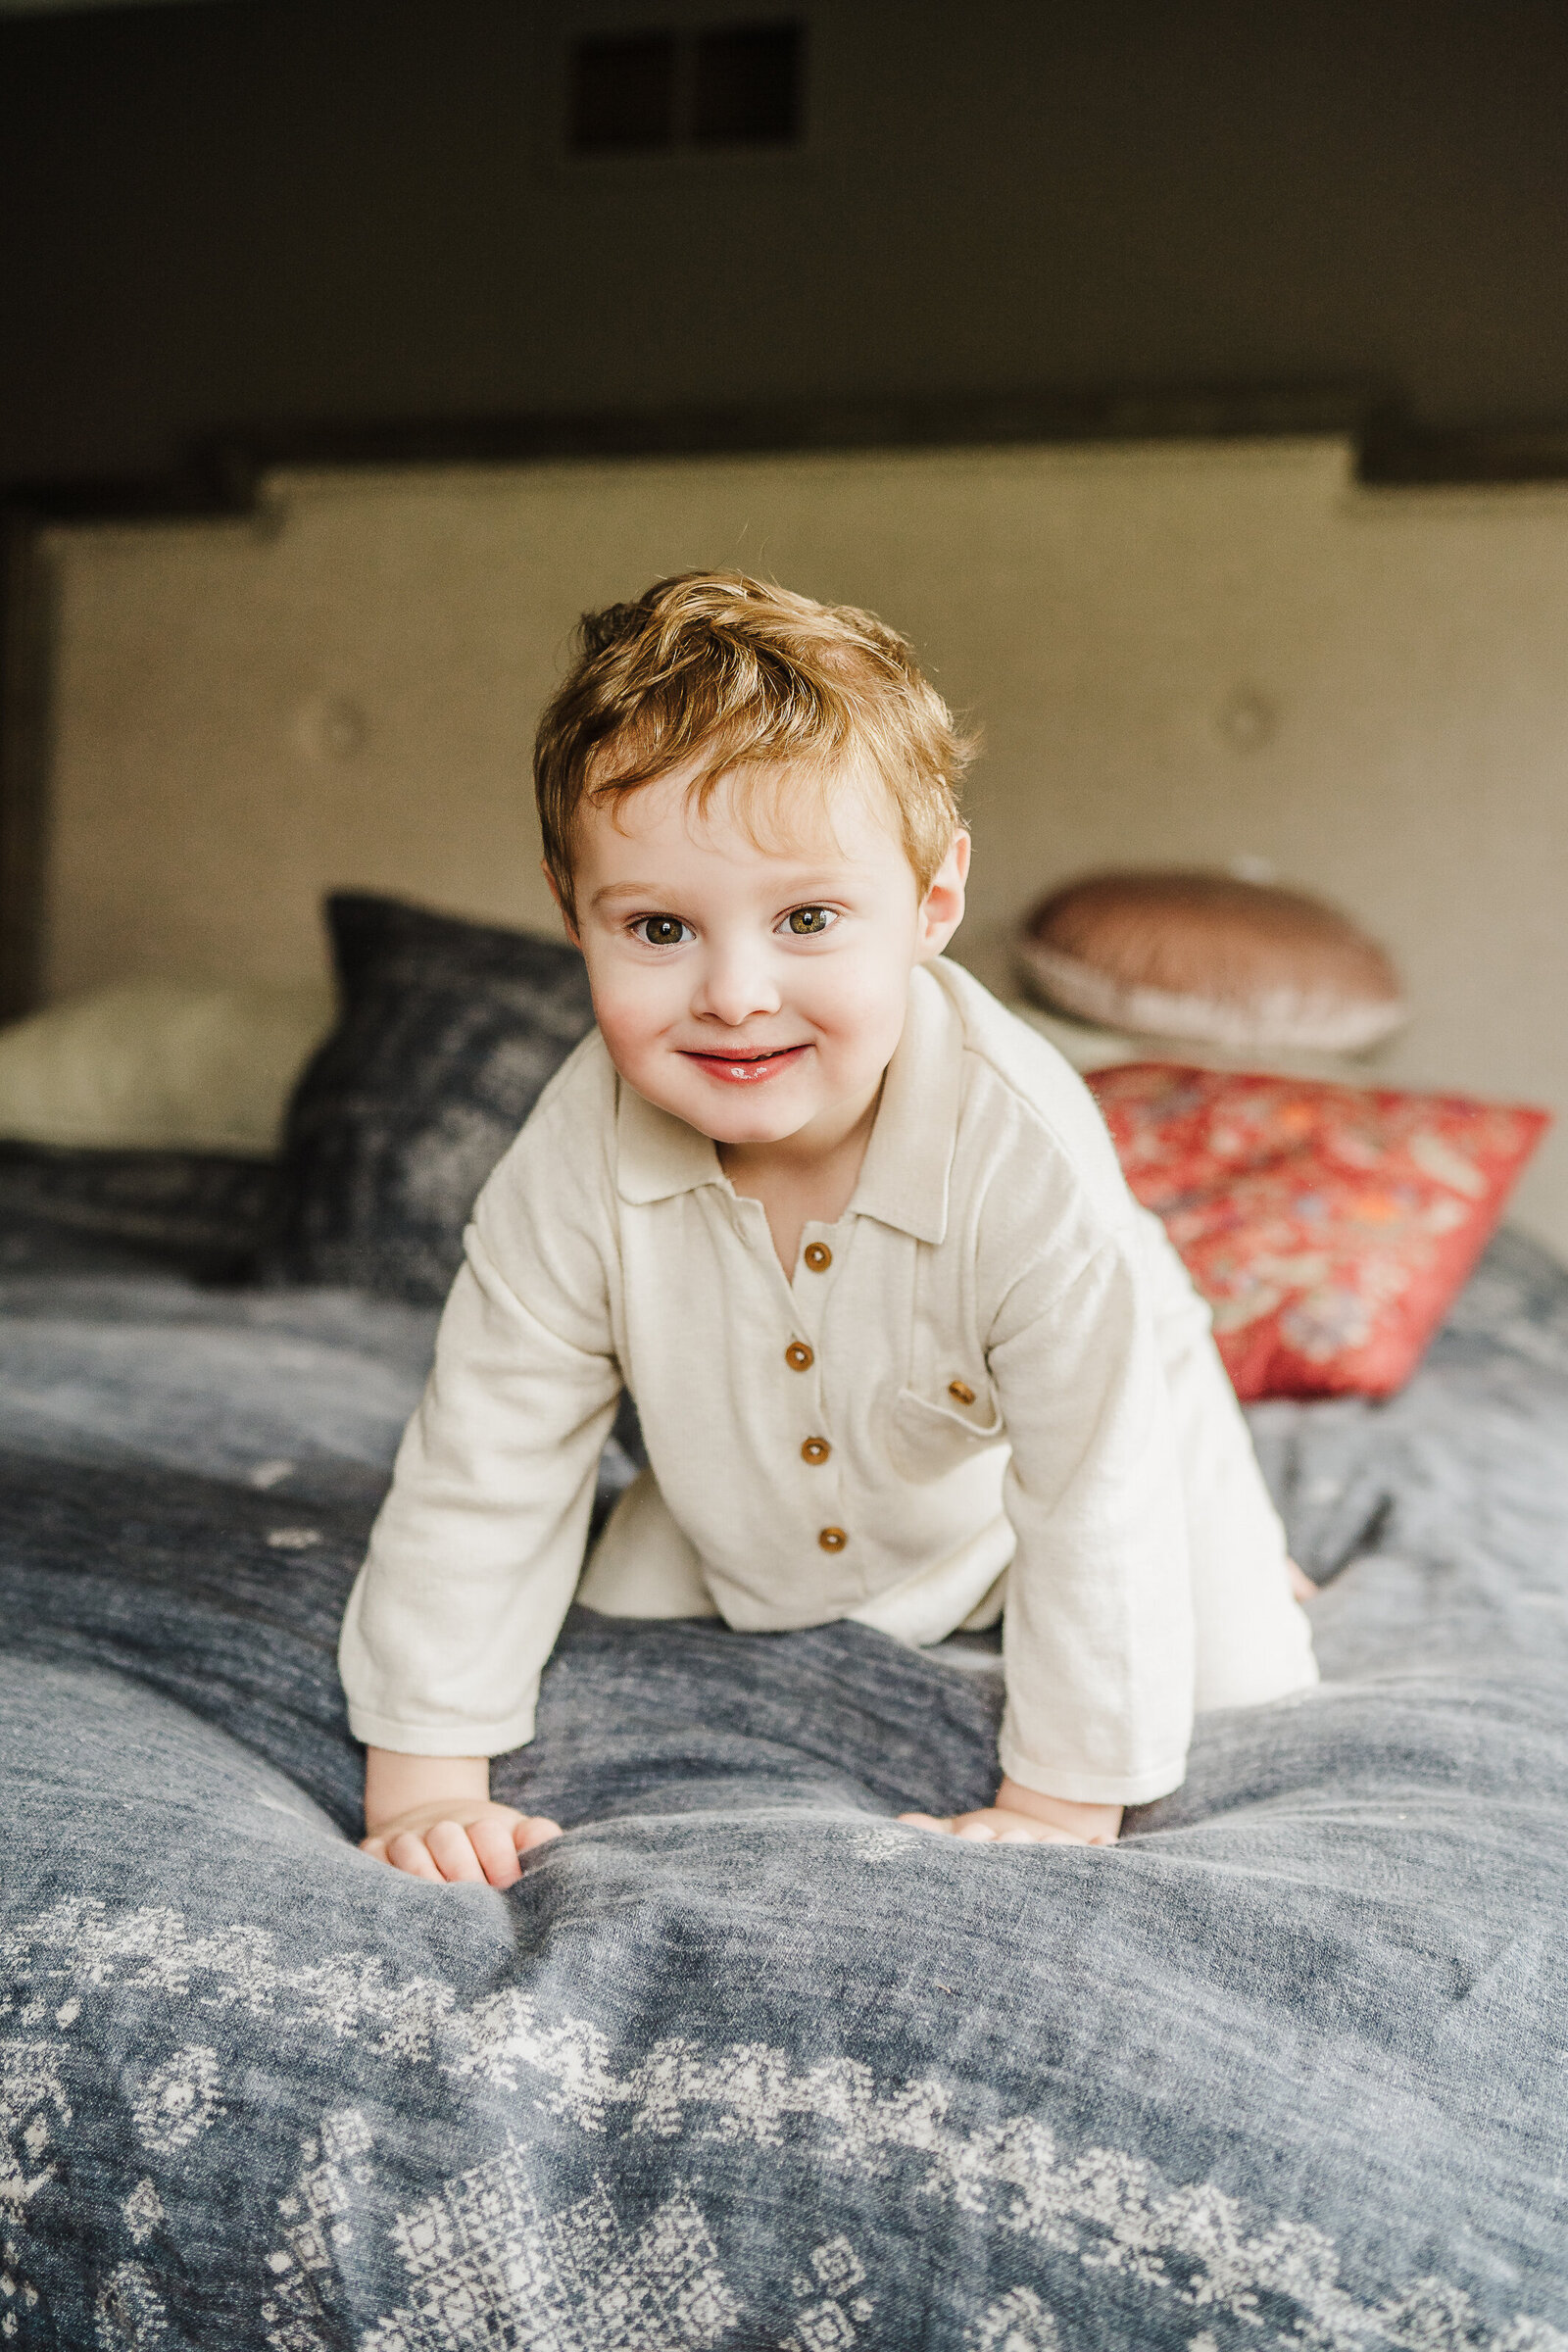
(1329, 1227)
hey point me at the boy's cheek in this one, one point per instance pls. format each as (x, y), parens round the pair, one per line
(859, 1006)
(633, 1023)
(628, 1003)
(627, 1037)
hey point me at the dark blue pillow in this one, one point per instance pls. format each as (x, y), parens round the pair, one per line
(447, 1034)
(94, 1211)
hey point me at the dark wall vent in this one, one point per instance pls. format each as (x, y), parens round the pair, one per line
(714, 86)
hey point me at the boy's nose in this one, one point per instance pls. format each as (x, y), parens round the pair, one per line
(734, 988)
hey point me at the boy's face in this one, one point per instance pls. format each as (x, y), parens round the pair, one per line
(757, 992)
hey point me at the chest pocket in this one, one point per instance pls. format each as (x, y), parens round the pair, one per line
(930, 1439)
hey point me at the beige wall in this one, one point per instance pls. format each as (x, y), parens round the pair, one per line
(1196, 651)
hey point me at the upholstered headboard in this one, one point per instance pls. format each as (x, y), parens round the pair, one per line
(1201, 652)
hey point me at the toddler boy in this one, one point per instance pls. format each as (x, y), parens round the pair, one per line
(902, 1347)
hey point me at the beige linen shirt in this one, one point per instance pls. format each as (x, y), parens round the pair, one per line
(989, 1382)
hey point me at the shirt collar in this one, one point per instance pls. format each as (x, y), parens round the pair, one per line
(910, 1157)
(907, 1163)
(656, 1155)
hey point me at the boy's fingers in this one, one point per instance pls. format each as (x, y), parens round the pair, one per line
(455, 1857)
(536, 1829)
(973, 1826)
(491, 1841)
(406, 1851)
(452, 1853)
(994, 1827)
(1013, 1826)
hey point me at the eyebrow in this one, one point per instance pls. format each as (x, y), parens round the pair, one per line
(798, 885)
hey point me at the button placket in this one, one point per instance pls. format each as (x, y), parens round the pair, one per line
(810, 1296)
(804, 1352)
(823, 1487)
(816, 1451)
(819, 1250)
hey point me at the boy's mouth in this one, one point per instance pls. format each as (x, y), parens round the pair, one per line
(747, 1070)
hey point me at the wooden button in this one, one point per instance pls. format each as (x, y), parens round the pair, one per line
(818, 1256)
(799, 1357)
(832, 1539)
(962, 1389)
(816, 1450)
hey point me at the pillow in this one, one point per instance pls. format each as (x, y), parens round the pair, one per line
(1223, 962)
(204, 1212)
(162, 1065)
(1089, 1049)
(1329, 1227)
(448, 1033)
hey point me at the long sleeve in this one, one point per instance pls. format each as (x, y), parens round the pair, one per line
(1098, 1634)
(1254, 1642)
(478, 1546)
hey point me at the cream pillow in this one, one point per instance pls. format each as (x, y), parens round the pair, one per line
(1240, 966)
(162, 1065)
(1090, 1049)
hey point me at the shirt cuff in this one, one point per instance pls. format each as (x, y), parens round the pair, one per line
(1091, 1787)
(442, 1739)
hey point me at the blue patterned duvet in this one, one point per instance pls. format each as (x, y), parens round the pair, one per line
(742, 2062)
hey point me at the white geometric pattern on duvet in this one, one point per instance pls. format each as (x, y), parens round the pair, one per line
(1193, 2245)
(1018, 2322)
(480, 2251)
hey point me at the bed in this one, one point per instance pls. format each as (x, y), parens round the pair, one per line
(742, 2061)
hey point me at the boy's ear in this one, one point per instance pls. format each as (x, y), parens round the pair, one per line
(942, 908)
(569, 925)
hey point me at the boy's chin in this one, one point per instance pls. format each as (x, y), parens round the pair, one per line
(743, 1119)
(746, 1123)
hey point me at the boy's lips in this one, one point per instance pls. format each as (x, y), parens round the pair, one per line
(747, 1070)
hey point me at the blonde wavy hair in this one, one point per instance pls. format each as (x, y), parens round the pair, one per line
(733, 673)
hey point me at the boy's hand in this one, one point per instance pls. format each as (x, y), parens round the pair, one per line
(473, 1840)
(1023, 1816)
(432, 1817)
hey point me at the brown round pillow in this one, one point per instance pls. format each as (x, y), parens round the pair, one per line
(1202, 956)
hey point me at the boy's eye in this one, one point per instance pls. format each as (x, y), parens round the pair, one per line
(662, 930)
(805, 921)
